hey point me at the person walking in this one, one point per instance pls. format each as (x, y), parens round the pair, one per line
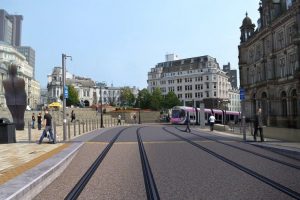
(212, 121)
(188, 122)
(134, 118)
(48, 127)
(32, 121)
(119, 119)
(258, 125)
(39, 121)
(73, 117)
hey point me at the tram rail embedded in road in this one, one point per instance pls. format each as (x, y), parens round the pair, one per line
(248, 151)
(78, 188)
(252, 173)
(151, 189)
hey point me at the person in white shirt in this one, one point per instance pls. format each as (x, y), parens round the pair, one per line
(212, 120)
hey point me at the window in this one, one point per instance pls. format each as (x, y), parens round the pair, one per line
(292, 64)
(207, 78)
(294, 103)
(179, 88)
(280, 40)
(283, 104)
(282, 67)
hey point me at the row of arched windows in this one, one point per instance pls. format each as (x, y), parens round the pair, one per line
(288, 104)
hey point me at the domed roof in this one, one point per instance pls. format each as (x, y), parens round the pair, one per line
(247, 21)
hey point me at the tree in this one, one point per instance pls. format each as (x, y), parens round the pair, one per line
(144, 99)
(171, 100)
(73, 98)
(156, 99)
(126, 97)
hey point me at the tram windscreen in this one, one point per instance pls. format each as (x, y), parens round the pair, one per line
(178, 113)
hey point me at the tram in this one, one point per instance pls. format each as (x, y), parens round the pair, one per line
(179, 115)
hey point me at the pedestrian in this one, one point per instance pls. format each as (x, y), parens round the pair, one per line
(48, 127)
(187, 122)
(134, 118)
(212, 121)
(119, 119)
(73, 117)
(32, 120)
(39, 121)
(258, 125)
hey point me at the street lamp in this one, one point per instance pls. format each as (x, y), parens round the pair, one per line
(64, 57)
(140, 111)
(101, 113)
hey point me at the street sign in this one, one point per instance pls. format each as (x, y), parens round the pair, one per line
(242, 94)
(66, 92)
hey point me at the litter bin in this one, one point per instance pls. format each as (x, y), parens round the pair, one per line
(7, 131)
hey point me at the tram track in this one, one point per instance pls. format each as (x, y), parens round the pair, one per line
(247, 151)
(250, 172)
(80, 185)
(151, 189)
(149, 182)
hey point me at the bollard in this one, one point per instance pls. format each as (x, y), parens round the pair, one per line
(29, 132)
(79, 127)
(74, 126)
(83, 126)
(86, 126)
(244, 127)
(69, 130)
(54, 137)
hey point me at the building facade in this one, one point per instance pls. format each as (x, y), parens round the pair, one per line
(232, 73)
(9, 54)
(10, 28)
(269, 58)
(29, 53)
(193, 80)
(90, 92)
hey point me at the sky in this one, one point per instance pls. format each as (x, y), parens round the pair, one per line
(119, 41)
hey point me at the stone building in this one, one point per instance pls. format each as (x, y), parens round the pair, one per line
(193, 80)
(269, 63)
(89, 91)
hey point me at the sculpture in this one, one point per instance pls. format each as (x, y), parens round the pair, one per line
(15, 96)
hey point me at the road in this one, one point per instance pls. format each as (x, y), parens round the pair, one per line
(196, 165)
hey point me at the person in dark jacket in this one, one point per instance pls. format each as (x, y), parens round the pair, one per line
(258, 125)
(48, 127)
(188, 122)
(73, 117)
(39, 121)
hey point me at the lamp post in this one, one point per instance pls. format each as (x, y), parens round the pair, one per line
(140, 111)
(64, 57)
(101, 113)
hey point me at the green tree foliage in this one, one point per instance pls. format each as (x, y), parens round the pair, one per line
(171, 100)
(73, 96)
(126, 97)
(143, 100)
(156, 99)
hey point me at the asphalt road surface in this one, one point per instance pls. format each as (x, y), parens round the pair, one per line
(176, 165)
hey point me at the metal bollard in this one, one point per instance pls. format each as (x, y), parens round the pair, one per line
(74, 126)
(69, 130)
(244, 127)
(79, 127)
(29, 132)
(83, 126)
(54, 137)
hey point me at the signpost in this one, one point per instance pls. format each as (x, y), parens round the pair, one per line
(242, 98)
(66, 92)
